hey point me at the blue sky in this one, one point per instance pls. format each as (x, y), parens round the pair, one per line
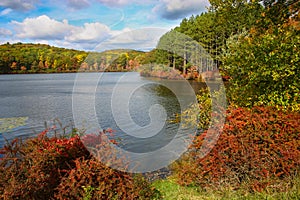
(87, 24)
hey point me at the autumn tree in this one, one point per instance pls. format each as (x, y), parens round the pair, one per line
(264, 65)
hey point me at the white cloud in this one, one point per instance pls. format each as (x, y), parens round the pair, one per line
(61, 32)
(5, 11)
(85, 46)
(19, 4)
(46, 28)
(87, 36)
(5, 32)
(90, 32)
(140, 39)
(177, 9)
(41, 27)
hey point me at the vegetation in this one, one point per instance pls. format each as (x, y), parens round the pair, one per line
(258, 149)
(255, 43)
(264, 66)
(40, 58)
(17, 58)
(62, 168)
(257, 156)
(210, 30)
(159, 70)
(171, 190)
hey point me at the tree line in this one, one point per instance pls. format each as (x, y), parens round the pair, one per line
(222, 21)
(15, 58)
(41, 58)
(255, 43)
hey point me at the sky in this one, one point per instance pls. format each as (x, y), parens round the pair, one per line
(93, 25)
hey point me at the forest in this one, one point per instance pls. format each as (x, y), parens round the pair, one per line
(255, 43)
(41, 58)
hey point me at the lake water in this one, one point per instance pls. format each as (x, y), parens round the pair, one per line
(121, 101)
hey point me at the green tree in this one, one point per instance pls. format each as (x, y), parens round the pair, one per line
(34, 66)
(265, 68)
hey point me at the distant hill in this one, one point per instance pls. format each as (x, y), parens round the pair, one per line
(42, 58)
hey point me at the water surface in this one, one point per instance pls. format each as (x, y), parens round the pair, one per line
(42, 98)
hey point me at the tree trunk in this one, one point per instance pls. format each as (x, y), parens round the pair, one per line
(174, 63)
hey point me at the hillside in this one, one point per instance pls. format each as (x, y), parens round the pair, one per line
(41, 58)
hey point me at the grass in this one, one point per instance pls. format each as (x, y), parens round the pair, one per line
(170, 190)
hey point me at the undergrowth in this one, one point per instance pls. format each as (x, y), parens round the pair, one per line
(258, 149)
(62, 168)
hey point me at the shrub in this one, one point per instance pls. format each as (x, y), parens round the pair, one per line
(258, 148)
(92, 180)
(160, 71)
(264, 67)
(62, 168)
(33, 169)
(208, 111)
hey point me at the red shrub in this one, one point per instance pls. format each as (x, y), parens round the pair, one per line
(92, 140)
(256, 148)
(62, 168)
(32, 170)
(94, 180)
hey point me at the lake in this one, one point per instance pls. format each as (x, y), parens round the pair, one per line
(140, 110)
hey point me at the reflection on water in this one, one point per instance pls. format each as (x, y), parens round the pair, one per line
(44, 97)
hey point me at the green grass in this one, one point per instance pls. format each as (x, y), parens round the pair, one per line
(170, 190)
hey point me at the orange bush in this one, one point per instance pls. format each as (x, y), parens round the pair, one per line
(62, 168)
(93, 179)
(257, 148)
(32, 170)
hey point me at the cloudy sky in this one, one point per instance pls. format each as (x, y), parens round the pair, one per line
(87, 24)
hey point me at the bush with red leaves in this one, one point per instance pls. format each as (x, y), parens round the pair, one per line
(62, 168)
(258, 148)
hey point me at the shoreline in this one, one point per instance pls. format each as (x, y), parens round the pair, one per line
(61, 72)
(75, 72)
